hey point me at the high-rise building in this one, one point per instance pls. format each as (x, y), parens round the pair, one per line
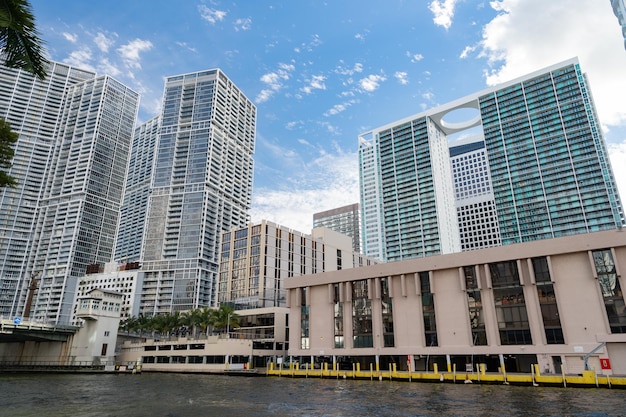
(201, 186)
(256, 259)
(137, 192)
(547, 161)
(619, 8)
(475, 205)
(345, 220)
(70, 163)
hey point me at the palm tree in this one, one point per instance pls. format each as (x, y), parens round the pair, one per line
(207, 319)
(19, 39)
(225, 318)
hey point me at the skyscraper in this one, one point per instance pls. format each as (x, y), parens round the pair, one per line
(70, 164)
(201, 186)
(547, 162)
(475, 204)
(345, 220)
(137, 192)
(619, 8)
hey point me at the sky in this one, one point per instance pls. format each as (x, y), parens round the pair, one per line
(323, 72)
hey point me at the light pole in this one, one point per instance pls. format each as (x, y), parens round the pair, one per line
(228, 327)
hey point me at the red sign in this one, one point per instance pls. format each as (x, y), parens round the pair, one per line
(605, 363)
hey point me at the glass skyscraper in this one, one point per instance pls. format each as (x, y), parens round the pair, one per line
(70, 164)
(137, 192)
(201, 186)
(547, 161)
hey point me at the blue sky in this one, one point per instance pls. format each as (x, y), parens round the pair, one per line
(321, 73)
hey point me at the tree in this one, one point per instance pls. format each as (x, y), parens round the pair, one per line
(7, 139)
(225, 318)
(19, 39)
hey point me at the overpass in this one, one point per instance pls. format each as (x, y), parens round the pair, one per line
(16, 331)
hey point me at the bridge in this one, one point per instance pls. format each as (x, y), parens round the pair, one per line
(17, 330)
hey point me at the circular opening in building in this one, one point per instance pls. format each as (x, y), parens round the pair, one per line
(464, 116)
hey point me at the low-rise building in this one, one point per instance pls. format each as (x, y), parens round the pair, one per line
(558, 303)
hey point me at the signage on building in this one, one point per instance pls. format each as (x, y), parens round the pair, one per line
(605, 363)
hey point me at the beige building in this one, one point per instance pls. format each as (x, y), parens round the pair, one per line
(255, 261)
(557, 303)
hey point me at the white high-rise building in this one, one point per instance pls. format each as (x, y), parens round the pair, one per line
(475, 204)
(70, 164)
(201, 186)
(137, 192)
(544, 159)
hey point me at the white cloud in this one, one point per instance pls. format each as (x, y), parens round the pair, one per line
(328, 182)
(130, 52)
(338, 108)
(274, 81)
(519, 41)
(211, 15)
(81, 58)
(103, 42)
(342, 70)
(243, 24)
(316, 41)
(401, 76)
(466, 51)
(371, 82)
(263, 96)
(191, 48)
(294, 124)
(315, 83)
(72, 37)
(443, 12)
(428, 96)
(414, 57)
(106, 67)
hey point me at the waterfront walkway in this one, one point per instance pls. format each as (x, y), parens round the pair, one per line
(534, 378)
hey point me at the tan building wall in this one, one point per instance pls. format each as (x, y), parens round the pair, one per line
(579, 298)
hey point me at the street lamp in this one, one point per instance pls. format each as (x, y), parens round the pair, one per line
(228, 327)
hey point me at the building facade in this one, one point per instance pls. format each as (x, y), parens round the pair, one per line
(345, 220)
(125, 279)
(475, 204)
(137, 192)
(75, 135)
(201, 186)
(557, 302)
(547, 161)
(619, 8)
(255, 261)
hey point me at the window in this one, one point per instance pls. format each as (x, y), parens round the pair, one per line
(547, 302)
(510, 304)
(338, 320)
(428, 310)
(475, 307)
(304, 320)
(361, 315)
(611, 290)
(387, 312)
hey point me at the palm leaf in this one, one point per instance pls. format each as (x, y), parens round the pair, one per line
(19, 40)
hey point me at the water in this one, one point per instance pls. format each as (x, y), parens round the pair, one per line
(188, 395)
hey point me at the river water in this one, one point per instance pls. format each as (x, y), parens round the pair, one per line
(190, 395)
